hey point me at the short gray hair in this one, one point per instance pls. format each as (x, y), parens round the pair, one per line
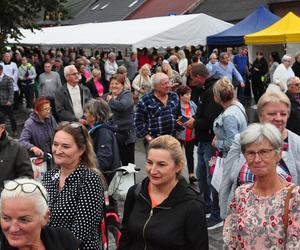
(286, 58)
(292, 80)
(67, 69)
(121, 70)
(223, 54)
(38, 197)
(99, 109)
(158, 77)
(257, 132)
(173, 57)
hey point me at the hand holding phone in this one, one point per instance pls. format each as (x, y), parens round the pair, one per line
(184, 119)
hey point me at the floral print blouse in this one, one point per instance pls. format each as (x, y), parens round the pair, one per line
(255, 222)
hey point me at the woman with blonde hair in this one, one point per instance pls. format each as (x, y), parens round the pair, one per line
(232, 121)
(174, 77)
(164, 212)
(142, 83)
(95, 86)
(226, 126)
(182, 66)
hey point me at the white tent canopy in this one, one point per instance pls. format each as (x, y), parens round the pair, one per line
(169, 31)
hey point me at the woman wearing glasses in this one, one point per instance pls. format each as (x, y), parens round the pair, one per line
(24, 218)
(274, 108)
(263, 214)
(38, 129)
(75, 188)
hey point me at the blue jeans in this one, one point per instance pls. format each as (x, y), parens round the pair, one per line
(205, 152)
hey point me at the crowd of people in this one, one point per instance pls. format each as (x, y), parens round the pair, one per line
(88, 112)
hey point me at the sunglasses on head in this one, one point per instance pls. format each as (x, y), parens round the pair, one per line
(75, 125)
(25, 187)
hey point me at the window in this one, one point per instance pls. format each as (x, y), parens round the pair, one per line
(133, 3)
(104, 6)
(96, 6)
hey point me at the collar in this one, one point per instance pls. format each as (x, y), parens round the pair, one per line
(69, 86)
(180, 193)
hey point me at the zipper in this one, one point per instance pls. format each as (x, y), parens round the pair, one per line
(147, 221)
(150, 215)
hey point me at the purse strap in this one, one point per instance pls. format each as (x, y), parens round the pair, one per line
(243, 112)
(286, 209)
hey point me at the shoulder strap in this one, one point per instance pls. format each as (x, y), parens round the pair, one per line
(137, 190)
(94, 128)
(286, 209)
(244, 113)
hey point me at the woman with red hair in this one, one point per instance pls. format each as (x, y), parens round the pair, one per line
(38, 129)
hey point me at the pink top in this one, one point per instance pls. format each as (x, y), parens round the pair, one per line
(255, 222)
(99, 87)
(87, 74)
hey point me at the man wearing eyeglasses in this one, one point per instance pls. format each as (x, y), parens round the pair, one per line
(293, 94)
(14, 159)
(71, 97)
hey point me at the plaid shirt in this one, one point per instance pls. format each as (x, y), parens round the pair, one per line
(154, 118)
(6, 90)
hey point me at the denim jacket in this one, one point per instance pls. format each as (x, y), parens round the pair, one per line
(228, 124)
(181, 134)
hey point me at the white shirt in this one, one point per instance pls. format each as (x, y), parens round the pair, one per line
(12, 71)
(282, 74)
(76, 100)
(182, 65)
(1, 77)
(110, 69)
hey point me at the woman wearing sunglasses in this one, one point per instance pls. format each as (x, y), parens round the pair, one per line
(75, 188)
(263, 214)
(24, 218)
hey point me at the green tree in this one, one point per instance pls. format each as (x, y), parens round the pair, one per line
(17, 14)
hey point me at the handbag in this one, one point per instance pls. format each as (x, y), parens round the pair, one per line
(216, 163)
(218, 173)
(39, 167)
